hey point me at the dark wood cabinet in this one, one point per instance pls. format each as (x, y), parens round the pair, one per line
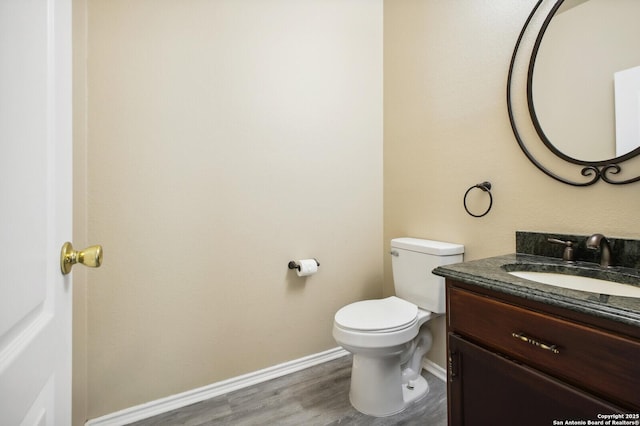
(489, 389)
(511, 363)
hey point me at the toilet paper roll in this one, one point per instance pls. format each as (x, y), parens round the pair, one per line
(307, 267)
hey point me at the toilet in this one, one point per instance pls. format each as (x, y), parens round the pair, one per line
(388, 337)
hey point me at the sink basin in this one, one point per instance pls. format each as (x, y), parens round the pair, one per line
(574, 282)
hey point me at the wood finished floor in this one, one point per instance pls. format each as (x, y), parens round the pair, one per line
(316, 396)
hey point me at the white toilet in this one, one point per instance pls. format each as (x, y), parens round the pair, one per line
(385, 335)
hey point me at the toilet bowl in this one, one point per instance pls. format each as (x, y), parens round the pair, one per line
(389, 337)
(383, 379)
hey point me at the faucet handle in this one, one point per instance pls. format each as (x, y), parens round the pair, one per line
(567, 255)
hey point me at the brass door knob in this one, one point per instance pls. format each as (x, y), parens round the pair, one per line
(91, 256)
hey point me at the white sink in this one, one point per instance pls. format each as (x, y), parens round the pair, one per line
(574, 282)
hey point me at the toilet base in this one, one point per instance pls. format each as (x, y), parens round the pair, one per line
(377, 388)
(420, 389)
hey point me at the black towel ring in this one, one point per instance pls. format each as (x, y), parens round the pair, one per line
(486, 187)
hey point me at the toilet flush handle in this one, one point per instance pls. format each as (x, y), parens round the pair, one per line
(394, 253)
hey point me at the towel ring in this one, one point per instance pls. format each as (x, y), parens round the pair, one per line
(484, 186)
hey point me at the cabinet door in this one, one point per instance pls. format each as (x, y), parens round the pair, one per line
(488, 389)
(597, 361)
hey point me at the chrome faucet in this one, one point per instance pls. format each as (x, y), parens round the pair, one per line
(600, 241)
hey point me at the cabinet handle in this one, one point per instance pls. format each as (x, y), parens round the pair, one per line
(534, 342)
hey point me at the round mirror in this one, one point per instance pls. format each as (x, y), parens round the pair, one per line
(574, 90)
(586, 68)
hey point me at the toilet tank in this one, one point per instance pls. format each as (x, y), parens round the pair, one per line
(412, 261)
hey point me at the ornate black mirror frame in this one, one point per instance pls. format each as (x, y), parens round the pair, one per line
(526, 127)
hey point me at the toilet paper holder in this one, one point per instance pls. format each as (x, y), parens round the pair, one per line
(294, 265)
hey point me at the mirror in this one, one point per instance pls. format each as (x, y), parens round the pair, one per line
(584, 67)
(574, 90)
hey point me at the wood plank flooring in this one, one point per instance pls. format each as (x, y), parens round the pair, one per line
(316, 396)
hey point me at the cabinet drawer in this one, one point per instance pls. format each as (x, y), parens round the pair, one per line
(600, 362)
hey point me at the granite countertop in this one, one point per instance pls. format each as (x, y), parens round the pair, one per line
(491, 273)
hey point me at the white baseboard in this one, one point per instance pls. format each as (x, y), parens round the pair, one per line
(159, 406)
(435, 369)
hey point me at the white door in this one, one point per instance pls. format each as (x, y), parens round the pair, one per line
(35, 211)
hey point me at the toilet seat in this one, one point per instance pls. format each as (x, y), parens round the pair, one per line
(377, 316)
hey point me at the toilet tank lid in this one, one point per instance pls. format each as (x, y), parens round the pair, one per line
(438, 248)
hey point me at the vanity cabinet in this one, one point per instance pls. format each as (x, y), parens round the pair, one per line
(511, 361)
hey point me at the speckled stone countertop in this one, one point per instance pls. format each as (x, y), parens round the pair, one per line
(492, 273)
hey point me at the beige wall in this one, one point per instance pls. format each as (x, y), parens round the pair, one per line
(226, 138)
(446, 128)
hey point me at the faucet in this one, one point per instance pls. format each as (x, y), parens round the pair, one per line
(567, 255)
(600, 241)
